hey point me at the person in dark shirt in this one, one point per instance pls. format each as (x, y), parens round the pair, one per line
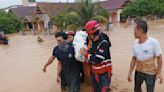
(70, 35)
(66, 64)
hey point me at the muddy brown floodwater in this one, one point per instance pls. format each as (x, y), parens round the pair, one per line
(21, 61)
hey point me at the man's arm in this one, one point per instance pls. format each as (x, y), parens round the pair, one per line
(159, 64)
(158, 54)
(132, 65)
(51, 59)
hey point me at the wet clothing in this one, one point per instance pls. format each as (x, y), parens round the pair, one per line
(82, 75)
(103, 84)
(74, 86)
(63, 81)
(70, 67)
(149, 80)
(100, 59)
(146, 54)
(146, 69)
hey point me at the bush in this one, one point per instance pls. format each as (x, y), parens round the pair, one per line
(9, 23)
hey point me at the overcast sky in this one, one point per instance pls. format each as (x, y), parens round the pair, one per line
(6, 3)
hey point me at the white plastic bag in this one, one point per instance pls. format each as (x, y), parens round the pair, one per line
(79, 42)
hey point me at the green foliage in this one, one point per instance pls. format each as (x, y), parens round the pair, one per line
(9, 23)
(85, 11)
(60, 20)
(143, 8)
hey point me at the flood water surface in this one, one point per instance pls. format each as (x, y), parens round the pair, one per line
(21, 61)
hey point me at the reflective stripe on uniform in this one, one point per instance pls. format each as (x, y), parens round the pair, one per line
(103, 66)
(89, 55)
(100, 56)
(101, 43)
(107, 60)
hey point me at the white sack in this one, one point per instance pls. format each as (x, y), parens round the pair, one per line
(79, 42)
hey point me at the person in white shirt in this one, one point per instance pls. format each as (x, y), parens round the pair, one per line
(144, 53)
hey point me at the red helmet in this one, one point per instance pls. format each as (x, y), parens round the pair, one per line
(91, 27)
(70, 33)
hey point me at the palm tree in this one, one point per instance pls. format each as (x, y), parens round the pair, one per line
(86, 10)
(60, 20)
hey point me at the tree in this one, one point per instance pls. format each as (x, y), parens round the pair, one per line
(86, 10)
(143, 8)
(60, 20)
(157, 7)
(9, 23)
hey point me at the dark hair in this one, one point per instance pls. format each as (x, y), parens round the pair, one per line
(62, 34)
(136, 19)
(141, 24)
